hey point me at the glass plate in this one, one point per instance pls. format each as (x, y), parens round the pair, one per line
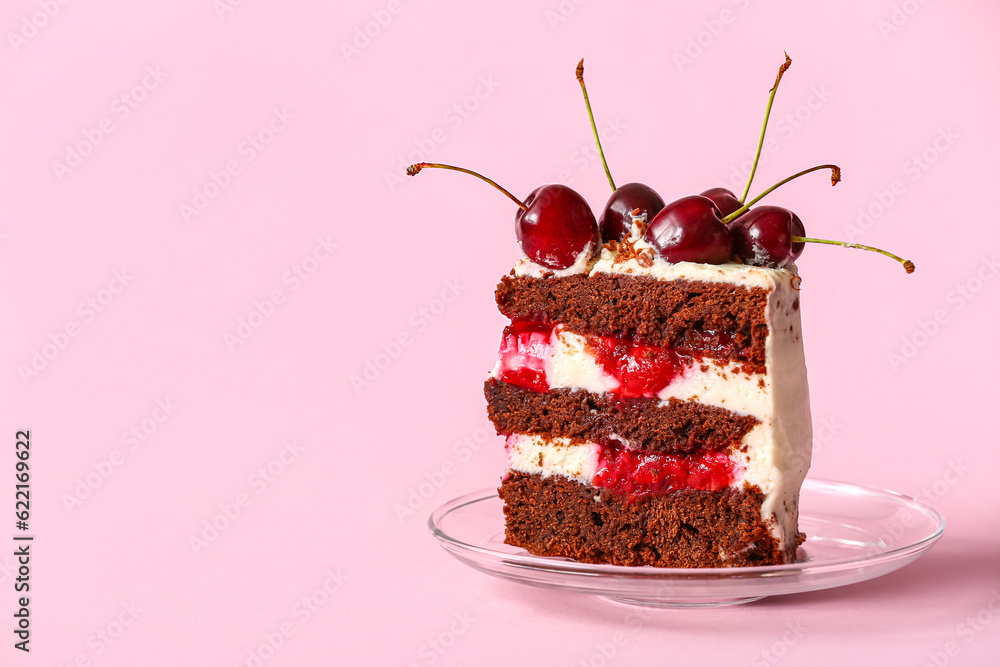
(854, 534)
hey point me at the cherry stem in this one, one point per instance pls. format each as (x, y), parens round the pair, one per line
(767, 114)
(593, 125)
(834, 179)
(907, 264)
(414, 169)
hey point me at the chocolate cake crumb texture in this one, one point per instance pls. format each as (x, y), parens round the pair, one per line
(714, 320)
(676, 427)
(555, 516)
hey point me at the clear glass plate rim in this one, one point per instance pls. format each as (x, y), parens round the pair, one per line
(591, 569)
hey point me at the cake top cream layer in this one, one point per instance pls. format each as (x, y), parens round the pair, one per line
(624, 258)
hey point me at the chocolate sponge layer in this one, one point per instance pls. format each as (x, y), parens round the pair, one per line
(714, 320)
(556, 516)
(675, 427)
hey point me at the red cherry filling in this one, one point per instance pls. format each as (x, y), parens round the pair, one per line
(523, 351)
(642, 370)
(642, 474)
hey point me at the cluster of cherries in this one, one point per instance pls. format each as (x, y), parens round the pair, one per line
(556, 227)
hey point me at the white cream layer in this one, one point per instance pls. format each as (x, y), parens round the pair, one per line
(541, 455)
(608, 262)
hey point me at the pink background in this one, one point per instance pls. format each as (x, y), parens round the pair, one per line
(874, 85)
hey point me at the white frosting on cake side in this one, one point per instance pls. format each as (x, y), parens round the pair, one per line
(781, 453)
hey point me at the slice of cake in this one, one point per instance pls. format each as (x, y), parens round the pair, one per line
(651, 383)
(656, 413)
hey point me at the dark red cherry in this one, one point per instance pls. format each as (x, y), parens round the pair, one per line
(798, 229)
(556, 226)
(763, 236)
(616, 221)
(690, 230)
(724, 199)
